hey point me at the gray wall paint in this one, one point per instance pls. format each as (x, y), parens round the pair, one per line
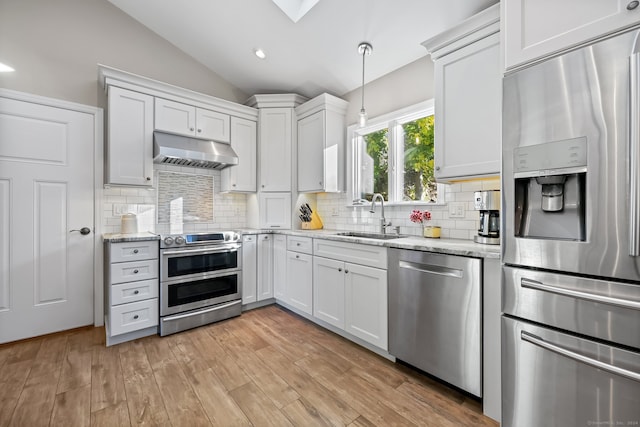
(55, 46)
(406, 86)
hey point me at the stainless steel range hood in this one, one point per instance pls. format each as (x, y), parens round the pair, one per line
(186, 151)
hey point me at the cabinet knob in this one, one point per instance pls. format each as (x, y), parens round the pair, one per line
(437, 168)
(233, 185)
(320, 183)
(191, 129)
(632, 5)
(135, 271)
(136, 292)
(339, 269)
(298, 244)
(266, 237)
(262, 185)
(346, 271)
(148, 178)
(135, 317)
(135, 251)
(297, 256)
(199, 130)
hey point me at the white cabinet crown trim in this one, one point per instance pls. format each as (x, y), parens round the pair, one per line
(322, 102)
(111, 76)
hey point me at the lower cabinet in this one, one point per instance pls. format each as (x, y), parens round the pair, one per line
(265, 267)
(279, 266)
(132, 288)
(249, 269)
(350, 296)
(299, 283)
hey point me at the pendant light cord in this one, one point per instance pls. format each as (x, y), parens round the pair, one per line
(364, 53)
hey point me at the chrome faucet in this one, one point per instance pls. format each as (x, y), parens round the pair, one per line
(383, 221)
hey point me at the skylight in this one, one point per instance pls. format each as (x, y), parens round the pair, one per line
(295, 9)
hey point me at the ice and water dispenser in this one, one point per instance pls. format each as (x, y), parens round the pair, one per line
(550, 181)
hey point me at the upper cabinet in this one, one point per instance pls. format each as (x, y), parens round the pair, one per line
(276, 139)
(242, 178)
(535, 29)
(176, 117)
(321, 144)
(468, 98)
(130, 135)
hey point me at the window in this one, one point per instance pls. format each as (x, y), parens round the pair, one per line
(393, 156)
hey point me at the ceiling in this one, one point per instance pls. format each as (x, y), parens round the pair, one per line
(318, 53)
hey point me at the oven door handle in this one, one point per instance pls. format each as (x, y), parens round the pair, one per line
(203, 251)
(198, 312)
(535, 340)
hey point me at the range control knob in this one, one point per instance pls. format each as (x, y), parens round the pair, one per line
(179, 240)
(168, 241)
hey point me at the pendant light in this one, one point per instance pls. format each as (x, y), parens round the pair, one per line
(364, 49)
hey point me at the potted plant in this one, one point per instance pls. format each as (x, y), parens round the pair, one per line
(423, 218)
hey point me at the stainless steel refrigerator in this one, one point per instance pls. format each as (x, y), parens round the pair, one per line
(571, 238)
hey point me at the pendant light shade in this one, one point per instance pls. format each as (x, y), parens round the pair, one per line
(364, 49)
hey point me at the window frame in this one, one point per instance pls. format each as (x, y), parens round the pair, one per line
(392, 121)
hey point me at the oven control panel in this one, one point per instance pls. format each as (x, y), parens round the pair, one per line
(213, 238)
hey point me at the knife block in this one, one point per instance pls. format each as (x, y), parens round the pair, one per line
(314, 224)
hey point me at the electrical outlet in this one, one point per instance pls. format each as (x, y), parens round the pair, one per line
(456, 210)
(335, 212)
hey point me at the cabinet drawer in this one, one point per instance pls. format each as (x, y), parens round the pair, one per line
(300, 244)
(134, 291)
(134, 271)
(133, 316)
(373, 256)
(134, 251)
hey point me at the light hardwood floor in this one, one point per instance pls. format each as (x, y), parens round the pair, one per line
(268, 367)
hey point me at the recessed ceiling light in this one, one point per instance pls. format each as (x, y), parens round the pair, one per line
(260, 53)
(5, 68)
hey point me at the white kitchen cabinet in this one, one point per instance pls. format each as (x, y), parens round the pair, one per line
(350, 289)
(366, 304)
(265, 267)
(468, 99)
(279, 266)
(242, 177)
(300, 281)
(275, 140)
(130, 138)
(321, 144)
(537, 29)
(328, 291)
(275, 210)
(184, 119)
(249, 269)
(132, 288)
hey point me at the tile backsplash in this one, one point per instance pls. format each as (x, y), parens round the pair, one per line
(336, 215)
(229, 210)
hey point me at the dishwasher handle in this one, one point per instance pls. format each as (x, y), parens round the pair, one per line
(432, 269)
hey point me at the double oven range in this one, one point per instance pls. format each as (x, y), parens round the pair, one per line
(200, 279)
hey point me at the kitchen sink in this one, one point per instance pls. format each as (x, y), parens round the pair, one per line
(379, 236)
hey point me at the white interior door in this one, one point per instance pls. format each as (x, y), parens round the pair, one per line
(46, 190)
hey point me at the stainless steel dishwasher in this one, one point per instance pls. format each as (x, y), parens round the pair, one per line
(435, 315)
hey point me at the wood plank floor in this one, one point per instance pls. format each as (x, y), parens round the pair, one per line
(268, 367)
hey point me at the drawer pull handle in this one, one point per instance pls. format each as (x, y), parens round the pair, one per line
(339, 269)
(135, 251)
(533, 339)
(136, 292)
(135, 271)
(135, 317)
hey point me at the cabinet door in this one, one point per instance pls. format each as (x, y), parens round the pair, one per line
(265, 267)
(468, 108)
(328, 291)
(366, 304)
(279, 266)
(212, 125)
(130, 138)
(242, 177)
(275, 210)
(300, 281)
(311, 144)
(535, 29)
(275, 149)
(175, 117)
(249, 269)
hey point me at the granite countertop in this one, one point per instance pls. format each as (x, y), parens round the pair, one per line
(119, 237)
(445, 246)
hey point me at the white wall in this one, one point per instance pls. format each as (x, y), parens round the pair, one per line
(55, 46)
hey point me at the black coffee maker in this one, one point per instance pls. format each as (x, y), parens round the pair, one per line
(488, 203)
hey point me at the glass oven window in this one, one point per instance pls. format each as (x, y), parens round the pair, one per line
(201, 290)
(201, 263)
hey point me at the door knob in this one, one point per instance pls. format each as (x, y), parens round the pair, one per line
(84, 231)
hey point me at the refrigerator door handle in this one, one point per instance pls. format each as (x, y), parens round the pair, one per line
(634, 154)
(603, 299)
(525, 336)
